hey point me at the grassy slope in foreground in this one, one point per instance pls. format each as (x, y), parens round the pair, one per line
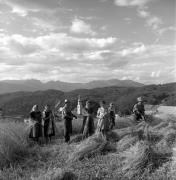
(151, 162)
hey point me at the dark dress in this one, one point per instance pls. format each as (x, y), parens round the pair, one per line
(89, 127)
(111, 118)
(36, 129)
(68, 117)
(49, 128)
(139, 111)
(83, 124)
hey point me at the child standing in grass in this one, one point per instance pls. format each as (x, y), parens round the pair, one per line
(103, 119)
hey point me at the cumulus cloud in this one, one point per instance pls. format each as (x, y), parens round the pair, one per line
(154, 22)
(138, 3)
(151, 20)
(72, 44)
(33, 4)
(136, 50)
(143, 13)
(20, 11)
(79, 26)
(155, 74)
(61, 56)
(166, 29)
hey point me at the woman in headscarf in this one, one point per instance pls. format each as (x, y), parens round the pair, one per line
(36, 128)
(68, 116)
(48, 123)
(103, 119)
(88, 125)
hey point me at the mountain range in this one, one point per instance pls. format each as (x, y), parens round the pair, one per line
(9, 86)
(124, 98)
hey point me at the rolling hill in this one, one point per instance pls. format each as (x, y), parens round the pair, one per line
(9, 86)
(123, 97)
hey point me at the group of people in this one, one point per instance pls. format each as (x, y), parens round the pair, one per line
(45, 121)
(106, 119)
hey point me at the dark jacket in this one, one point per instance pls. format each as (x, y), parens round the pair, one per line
(48, 123)
(88, 128)
(36, 128)
(139, 108)
(68, 116)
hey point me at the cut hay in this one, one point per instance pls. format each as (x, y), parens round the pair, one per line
(57, 174)
(112, 136)
(142, 157)
(123, 122)
(160, 126)
(126, 142)
(169, 137)
(77, 138)
(63, 175)
(173, 162)
(153, 121)
(169, 121)
(123, 132)
(155, 136)
(95, 144)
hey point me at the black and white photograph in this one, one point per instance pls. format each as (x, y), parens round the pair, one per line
(87, 89)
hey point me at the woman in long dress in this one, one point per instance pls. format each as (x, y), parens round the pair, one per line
(67, 116)
(48, 123)
(36, 128)
(88, 128)
(111, 111)
(103, 119)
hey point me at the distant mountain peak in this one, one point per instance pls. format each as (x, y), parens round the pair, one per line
(7, 86)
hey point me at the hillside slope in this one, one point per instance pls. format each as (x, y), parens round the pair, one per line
(123, 97)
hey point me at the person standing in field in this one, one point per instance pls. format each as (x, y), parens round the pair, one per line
(111, 111)
(36, 128)
(48, 123)
(139, 110)
(103, 119)
(68, 116)
(88, 121)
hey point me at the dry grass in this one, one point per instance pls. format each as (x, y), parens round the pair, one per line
(126, 142)
(93, 145)
(13, 143)
(143, 156)
(123, 122)
(123, 156)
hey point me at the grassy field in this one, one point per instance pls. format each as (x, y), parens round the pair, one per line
(143, 151)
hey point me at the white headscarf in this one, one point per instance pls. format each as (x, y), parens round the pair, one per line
(34, 107)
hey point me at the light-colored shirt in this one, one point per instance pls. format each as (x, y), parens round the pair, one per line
(101, 112)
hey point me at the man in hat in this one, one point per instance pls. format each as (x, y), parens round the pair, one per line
(68, 116)
(139, 110)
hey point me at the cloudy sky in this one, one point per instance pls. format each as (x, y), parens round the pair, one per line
(84, 40)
